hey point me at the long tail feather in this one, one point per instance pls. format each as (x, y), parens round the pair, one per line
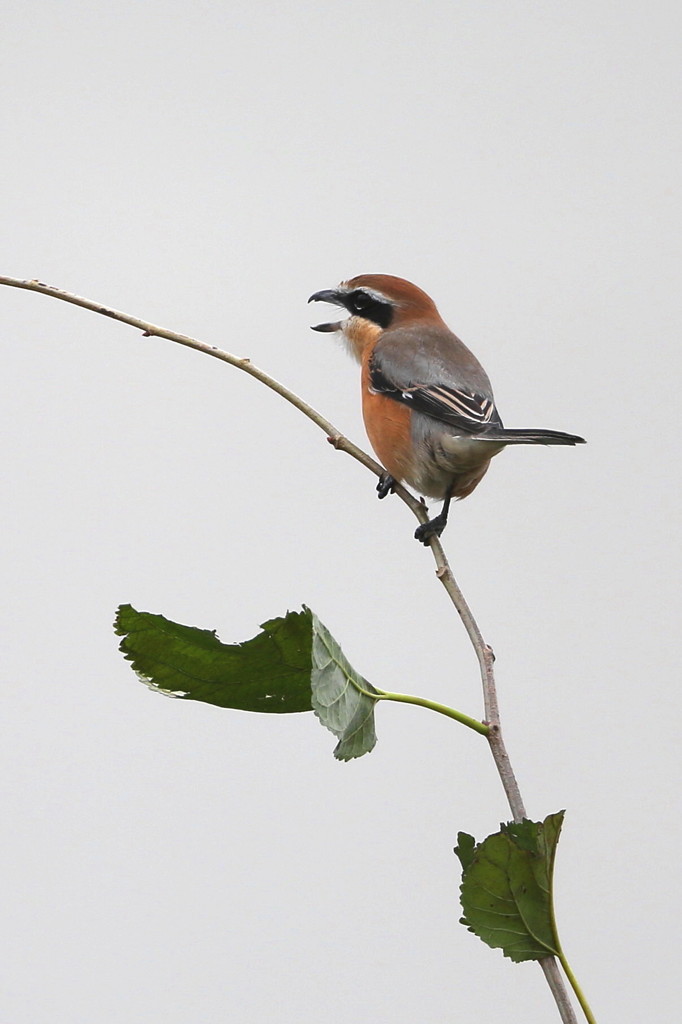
(531, 437)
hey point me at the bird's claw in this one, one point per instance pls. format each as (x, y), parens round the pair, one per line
(386, 485)
(433, 528)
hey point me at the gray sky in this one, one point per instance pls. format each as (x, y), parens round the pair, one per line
(207, 167)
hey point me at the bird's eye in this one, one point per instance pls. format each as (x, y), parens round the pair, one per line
(370, 307)
(361, 301)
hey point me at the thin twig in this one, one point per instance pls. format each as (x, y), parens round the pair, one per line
(486, 660)
(149, 330)
(484, 653)
(557, 985)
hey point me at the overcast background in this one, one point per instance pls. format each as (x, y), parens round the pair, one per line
(207, 167)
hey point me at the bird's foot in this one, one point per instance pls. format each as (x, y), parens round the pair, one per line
(433, 528)
(386, 485)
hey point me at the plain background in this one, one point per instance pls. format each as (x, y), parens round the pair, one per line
(207, 167)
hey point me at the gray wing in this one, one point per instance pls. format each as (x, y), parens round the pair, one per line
(430, 370)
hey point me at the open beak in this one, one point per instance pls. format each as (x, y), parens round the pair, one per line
(327, 296)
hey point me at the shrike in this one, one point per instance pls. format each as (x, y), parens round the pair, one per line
(427, 402)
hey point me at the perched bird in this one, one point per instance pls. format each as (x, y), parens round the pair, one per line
(427, 402)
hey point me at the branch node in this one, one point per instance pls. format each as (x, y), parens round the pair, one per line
(336, 440)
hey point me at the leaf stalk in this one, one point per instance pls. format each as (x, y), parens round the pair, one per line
(432, 705)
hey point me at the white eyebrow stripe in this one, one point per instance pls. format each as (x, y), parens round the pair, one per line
(372, 292)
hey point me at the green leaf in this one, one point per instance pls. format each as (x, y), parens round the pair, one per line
(506, 887)
(295, 664)
(269, 673)
(341, 698)
(465, 849)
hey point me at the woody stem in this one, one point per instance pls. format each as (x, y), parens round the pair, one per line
(483, 652)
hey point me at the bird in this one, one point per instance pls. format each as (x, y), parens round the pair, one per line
(427, 403)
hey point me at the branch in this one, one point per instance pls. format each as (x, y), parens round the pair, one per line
(484, 653)
(334, 436)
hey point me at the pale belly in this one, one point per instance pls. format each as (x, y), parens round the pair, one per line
(450, 465)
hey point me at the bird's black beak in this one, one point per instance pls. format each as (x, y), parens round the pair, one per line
(327, 296)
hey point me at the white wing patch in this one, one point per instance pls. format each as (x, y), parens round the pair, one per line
(472, 407)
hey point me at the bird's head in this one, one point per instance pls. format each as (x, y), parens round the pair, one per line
(375, 303)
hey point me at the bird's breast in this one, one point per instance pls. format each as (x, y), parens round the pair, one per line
(388, 426)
